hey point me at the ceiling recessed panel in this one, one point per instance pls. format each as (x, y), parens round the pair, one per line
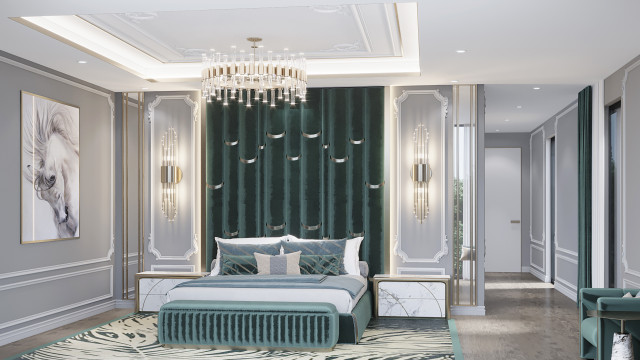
(320, 32)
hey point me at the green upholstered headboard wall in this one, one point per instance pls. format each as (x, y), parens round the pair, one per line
(312, 170)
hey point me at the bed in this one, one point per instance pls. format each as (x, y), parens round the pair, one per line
(325, 272)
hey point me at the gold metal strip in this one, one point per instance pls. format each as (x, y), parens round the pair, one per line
(312, 227)
(356, 142)
(125, 195)
(339, 160)
(248, 161)
(216, 187)
(140, 181)
(294, 158)
(276, 136)
(235, 233)
(277, 227)
(372, 186)
(231, 143)
(356, 234)
(311, 136)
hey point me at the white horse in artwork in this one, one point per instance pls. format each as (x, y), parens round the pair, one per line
(51, 141)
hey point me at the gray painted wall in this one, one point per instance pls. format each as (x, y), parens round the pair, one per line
(52, 283)
(613, 83)
(518, 140)
(176, 243)
(434, 237)
(566, 232)
(564, 127)
(536, 229)
(625, 84)
(423, 241)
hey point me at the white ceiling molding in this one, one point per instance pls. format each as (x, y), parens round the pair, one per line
(150, 46)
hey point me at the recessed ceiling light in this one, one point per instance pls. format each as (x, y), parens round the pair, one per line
(454, 81)
(82, 61)
(507, 120)
(536, 88)
(519, 107)
(497, 130)
(461, 51)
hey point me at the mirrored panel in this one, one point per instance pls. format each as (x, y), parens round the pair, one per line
(465, 264)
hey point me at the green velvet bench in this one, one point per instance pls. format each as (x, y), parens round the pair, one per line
(248, 325)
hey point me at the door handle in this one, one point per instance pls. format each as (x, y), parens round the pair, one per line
(515, 221)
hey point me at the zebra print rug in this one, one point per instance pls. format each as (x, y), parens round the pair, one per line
(134, 337)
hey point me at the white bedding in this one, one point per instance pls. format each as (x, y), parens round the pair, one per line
(340, 298)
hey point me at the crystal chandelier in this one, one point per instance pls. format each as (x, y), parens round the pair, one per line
(254, 77)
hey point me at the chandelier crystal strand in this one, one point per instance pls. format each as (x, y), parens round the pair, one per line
(255, 77)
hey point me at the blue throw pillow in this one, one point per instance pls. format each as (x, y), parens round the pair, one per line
(332, 251)
(238, 265)
(320, 264)
(238, 259)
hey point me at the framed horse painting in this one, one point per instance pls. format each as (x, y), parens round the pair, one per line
(50, 169)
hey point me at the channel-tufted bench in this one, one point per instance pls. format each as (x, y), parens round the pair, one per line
(248, 325)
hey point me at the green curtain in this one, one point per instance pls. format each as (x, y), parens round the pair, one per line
(314, 170)
(584, 189)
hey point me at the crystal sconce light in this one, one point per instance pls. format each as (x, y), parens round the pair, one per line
(170, 174)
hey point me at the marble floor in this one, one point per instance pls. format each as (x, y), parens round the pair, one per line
(526, 319)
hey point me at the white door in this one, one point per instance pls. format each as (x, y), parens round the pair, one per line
(503, 238)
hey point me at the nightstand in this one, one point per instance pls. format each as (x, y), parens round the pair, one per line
(420, 296)
(152, 287)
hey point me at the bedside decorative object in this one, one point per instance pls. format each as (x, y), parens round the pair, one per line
(152, 287)
(622, 346)
(411, 296)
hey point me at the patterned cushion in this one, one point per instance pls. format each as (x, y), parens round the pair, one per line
(238, 259)
(287, 264)
(215, 267)
(238, 265)
(319, 264)
(331, 248)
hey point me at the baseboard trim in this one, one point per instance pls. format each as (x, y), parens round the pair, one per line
(468, 310)
(566, 291)
(525, 269)
(42, 326)
(537, 274)
(125, 304)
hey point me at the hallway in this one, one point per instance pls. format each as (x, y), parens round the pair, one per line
(526, 319)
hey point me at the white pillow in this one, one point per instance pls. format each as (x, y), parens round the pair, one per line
(351, 250)
(351, 255)
(259, 240)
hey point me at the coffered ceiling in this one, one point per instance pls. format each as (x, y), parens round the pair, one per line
(155, 45)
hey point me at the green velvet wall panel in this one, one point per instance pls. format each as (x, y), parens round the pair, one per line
(314, 170)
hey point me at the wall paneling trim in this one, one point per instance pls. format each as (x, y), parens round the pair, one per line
(437, 163)
(155, 245)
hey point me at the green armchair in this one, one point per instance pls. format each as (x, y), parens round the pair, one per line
(596, 334)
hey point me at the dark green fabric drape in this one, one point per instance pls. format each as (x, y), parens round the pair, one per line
(314, 170)
(584, 189)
